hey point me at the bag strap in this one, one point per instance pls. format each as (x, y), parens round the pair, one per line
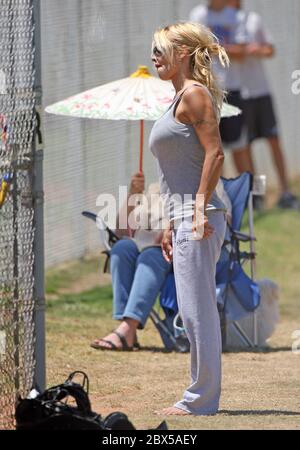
(85, 383)
(70, 389)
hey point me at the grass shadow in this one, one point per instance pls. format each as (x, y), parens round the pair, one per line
(266, 350)
(262, 350)
(258, 413)
(155, 349)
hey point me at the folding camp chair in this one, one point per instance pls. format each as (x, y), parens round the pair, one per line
(171, 340)
(237, 294)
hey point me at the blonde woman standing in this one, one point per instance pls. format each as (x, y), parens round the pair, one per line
(187, 145)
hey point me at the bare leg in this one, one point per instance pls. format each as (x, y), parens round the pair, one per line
(243, 160)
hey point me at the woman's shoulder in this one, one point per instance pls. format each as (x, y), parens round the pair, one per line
(196, 93)
(196, 88)
(197, 96)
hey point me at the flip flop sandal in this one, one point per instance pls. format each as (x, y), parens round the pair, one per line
(125, 347)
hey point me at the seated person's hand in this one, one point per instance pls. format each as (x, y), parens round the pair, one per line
(137, 185)
(166, 245)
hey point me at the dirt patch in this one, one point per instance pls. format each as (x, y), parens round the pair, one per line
(260, 389)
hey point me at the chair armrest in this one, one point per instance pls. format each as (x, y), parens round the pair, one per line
(113, 238)
(89, 215)
(242, 236)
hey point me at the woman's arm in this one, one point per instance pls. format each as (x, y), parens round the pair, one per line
(236, 52)
(197, 108)
(260, 50)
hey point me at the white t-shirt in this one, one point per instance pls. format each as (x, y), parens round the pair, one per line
(254, 80)
(229, 29)
(151, 213)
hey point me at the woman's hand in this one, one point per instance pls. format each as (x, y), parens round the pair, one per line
(200, 226)
(166, 245)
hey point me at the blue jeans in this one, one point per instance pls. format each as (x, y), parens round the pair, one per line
(137, 278)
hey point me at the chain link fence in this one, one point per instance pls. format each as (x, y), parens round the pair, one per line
(89, 43)
(17, 124)
(86, 44)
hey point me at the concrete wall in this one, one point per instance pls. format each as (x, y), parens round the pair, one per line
(92, 42)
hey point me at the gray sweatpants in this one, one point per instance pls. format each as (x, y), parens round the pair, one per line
(194, 264)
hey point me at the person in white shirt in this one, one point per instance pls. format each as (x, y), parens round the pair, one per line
(225, 24)
(259, 114)
(137, 266)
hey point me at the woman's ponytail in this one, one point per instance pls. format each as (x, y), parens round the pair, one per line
(203, 47)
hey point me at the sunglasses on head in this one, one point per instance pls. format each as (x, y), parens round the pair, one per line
(156, 52)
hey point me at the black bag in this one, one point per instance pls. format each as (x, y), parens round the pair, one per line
(52, 410)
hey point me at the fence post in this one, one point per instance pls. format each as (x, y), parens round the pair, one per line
(38, 196)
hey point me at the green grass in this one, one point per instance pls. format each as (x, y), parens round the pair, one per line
(259, 389)
(277, 248)
(75, 314)
(65, 276)
(84, 305)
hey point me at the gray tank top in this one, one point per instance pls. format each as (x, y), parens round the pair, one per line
(180, 158)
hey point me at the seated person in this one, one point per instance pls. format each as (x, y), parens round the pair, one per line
(138, 267)
(138, 270)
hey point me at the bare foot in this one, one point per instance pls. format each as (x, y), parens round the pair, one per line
(173, 411)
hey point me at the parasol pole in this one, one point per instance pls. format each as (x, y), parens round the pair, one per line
(141, 145)
(142, 72)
